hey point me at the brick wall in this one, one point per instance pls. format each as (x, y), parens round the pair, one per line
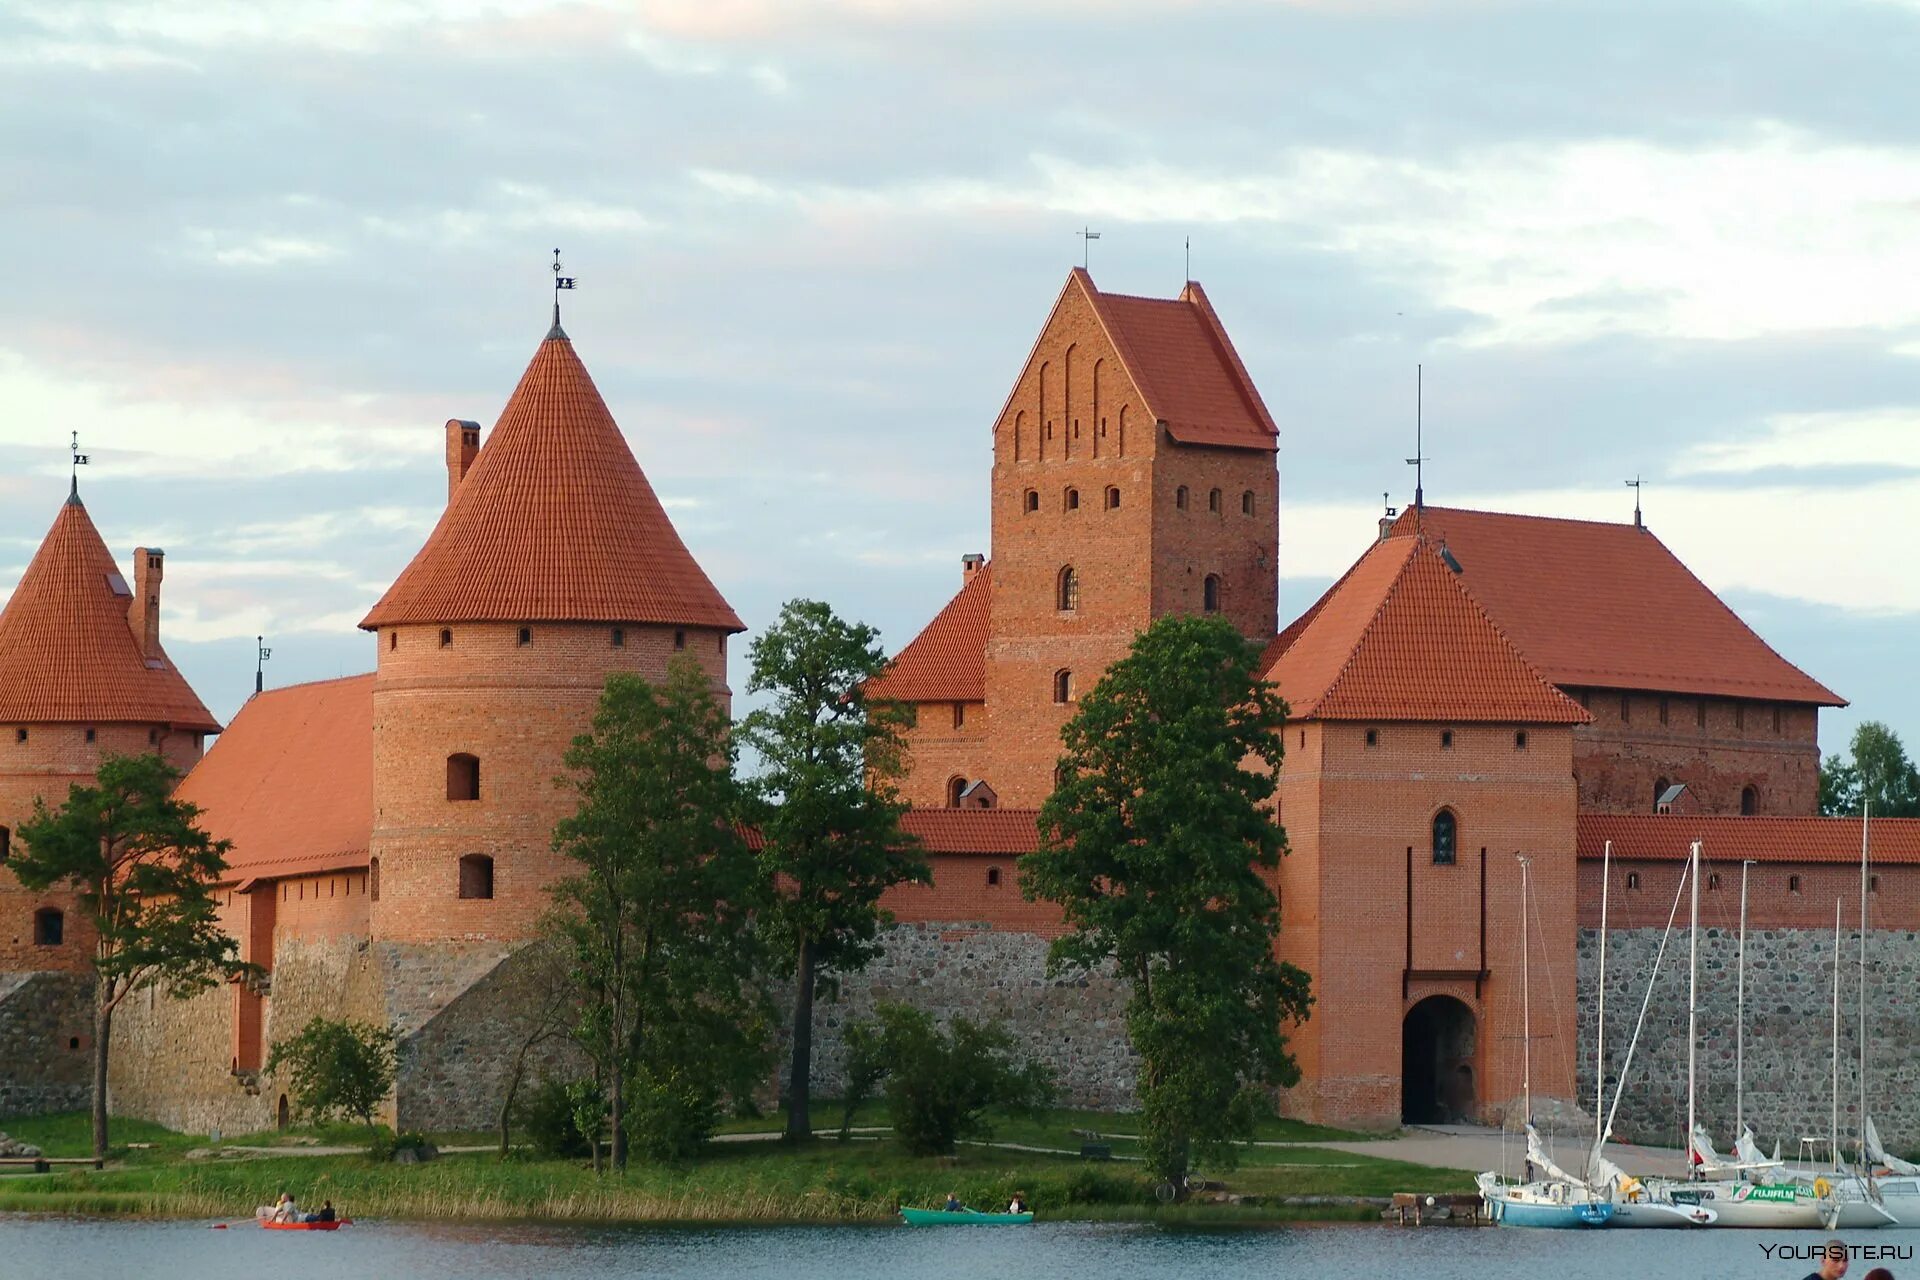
(1718, 747)
(514, 707)
(938, 751)
(46, 1042)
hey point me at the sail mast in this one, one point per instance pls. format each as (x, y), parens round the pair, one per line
(1526, 1000)
(1740, 1018)
(1866, 807)
(1693, 1003)
(1600, 1020)
(1833, 1129)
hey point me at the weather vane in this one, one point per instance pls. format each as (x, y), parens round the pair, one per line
(79, 461)
(559, 282)
(261, 654)
(1087, 238)
(1634, 484)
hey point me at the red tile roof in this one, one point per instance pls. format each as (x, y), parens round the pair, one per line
(67, 653)
(1400, 638)
(1608, 606)
(554, 522)
(291, 780)
(1002, 831)
(947, 661)
(1734, 839)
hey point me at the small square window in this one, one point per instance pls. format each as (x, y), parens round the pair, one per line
(993, 877)
(619, 638)
(19, 735)
(526, 635)
(153, 737)
(90, 735)
(679, 640)
(1446, 739)
(446, 637)
(1519, 739)
(1373, 737)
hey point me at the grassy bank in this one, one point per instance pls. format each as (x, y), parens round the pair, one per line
(743, 1182)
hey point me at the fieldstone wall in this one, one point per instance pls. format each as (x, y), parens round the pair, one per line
(1075, 1023)
(46, 1042)
(1789, 1020)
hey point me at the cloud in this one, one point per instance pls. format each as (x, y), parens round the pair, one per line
(1888, 438)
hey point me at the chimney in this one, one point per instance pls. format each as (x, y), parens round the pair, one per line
(143, 611)
(970, 564)
(463, 442)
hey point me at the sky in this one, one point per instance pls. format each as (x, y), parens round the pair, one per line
(262, 252)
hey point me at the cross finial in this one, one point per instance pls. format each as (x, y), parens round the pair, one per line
(79, 461)
(1087, 238)
(1634, 484)
(559, 282)
(1419, 459)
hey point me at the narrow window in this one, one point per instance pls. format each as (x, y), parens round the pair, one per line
(1246, 503)
(1446, 739)
(526, 635)
(993, 877)
(1213, 501)
(90, 735)
(1067, 590)
(1739, 715)
(1180, 498)
(619, 637)
(463, 776)
(1777, 717)
(1626, 710)
(679, 640)
(1373, 737)
(1663, 708)
(1072, 502)
(1749, 801)
(720, 643)
(373, 879)
(6, 844)
(1793, 884)
(1713, 881)
(1210, 594)
(1873, 884)
(1033, 501)
(446, 638)
(476, 876)
(1063, 686)
(1659, 789)
(1445, 832)
(1700, 714)
(959, 715)
(19, 735)
(1519, 739)
(153, 737)
(393, 641)
(1633, 879)
(1113, 497)
(49, 927)
(956, 785)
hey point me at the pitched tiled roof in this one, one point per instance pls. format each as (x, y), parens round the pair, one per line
(947, 661)
(67, 653)
(1181, 359)
(1004, 831)
(291, 780)
(1733, 839)
(1608, 606)
(554, 522)
(1401, 639)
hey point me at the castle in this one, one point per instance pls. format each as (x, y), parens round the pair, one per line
(1477, 685)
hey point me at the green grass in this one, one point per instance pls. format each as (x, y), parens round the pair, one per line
(1060, 1127)
(70, 1133)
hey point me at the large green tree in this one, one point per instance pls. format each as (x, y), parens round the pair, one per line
(828, 810)
(342, 1067)
(1160, 844)
(656, 926)
(142, 873)
(1877, 770)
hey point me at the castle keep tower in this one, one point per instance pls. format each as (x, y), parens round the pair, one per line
(553, 566)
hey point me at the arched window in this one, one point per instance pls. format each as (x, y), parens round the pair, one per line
(373, 879)
(618, 638)
(1210, 594)
(1749, 801)
(393, 641)
(1446, 833)
(993, 877)
(1071, 502)
(1033, 501)
(446, 637)
(1633, 879)
(1659, 789)
(526, 635)
(476, 876)
(679, 640)
(1067, 592)
(955, 786)
(1180, 497)
(1113, 497)
(1246, 503)
(1213, 501)
(1793, 884)
(1063, 686)
(463, 776)
(49, 927)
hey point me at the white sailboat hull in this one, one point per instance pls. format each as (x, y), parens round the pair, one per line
(1735, 1204)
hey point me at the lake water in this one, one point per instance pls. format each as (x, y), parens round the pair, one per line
(122, 1250)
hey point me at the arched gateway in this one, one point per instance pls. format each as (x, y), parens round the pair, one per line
(1437, 1042)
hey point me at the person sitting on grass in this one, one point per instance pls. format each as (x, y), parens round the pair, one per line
(954, 1205)
(1019, 1203)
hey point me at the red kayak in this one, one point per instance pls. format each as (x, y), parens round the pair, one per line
(335, 1225)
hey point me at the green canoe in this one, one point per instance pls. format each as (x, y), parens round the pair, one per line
(963, 1218)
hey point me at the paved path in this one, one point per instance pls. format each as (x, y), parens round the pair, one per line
(1475, 1148)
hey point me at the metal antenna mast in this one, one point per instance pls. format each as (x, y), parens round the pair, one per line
(559, 282)
(1087, 238)
(79, 461)
(1634, 484)
(260, 655)
(1419, 459)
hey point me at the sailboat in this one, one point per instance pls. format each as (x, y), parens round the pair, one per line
(1556, 1198)
(1897, 1180)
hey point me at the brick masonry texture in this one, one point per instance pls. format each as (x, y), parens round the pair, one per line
(1788, 1037)
(1718, 747)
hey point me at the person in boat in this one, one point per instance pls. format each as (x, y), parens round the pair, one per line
(281, 1210)
(325, 1214)
(1018, 1204)
(954, 1205)
(1833, 1262)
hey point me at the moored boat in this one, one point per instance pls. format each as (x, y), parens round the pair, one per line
(335, 1225)
(962, 1218)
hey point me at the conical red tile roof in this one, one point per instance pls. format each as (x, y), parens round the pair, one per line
(1400, 638)
(67, 654)
(554, 522)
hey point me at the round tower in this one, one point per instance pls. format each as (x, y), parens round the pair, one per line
(552, 567)
(82, 676)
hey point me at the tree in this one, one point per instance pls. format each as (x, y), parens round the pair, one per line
(1159, 845)
(540, 989)
(657, 925)
(940, 1084)
(828, 815)
(142, 874)
(864, 1069)
(342, 1067)
(1877, 770)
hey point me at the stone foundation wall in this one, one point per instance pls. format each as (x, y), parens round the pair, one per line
(1789, 1006)
(46, 1042)
(1075, 1023)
